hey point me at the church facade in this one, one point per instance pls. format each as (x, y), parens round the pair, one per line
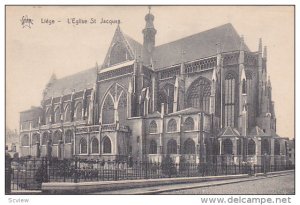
(205, 98)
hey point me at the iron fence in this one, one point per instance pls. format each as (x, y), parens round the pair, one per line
(30, 173)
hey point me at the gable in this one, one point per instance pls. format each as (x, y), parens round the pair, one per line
(121, 49)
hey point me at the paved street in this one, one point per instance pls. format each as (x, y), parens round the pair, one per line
(254, 185)
(272, 185)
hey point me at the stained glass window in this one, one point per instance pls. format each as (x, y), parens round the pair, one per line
(188, 124)
(78, 111)
(83, 146)
(106, 145)
(172, 126)
(68, 136)
(251, 147)
(227, 144)
(172, 146)
(67, 117)
(199, 93)
(153, 127)
(153, 147)
(166, 96)
(95, 145)
(189, 147)
(229, 100)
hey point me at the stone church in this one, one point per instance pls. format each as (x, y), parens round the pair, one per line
(205, 98)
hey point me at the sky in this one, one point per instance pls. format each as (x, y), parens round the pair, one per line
(34, 54)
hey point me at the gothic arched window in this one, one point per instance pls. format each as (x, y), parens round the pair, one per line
(106, 145)
(153, 147)
(68, 136)
(57, 115)
(48, 116)
(227, 144)
(118, 54)
(249, 82)
(189, 147)
(198, 94)
(108, 110)
(276, 147)
(67, 117)
(116, 94)
(230, 87)
(251, 147)
(45, 138)
(166, 96)
(122, 105)
(172, 147)
(57, 136)
(172, 126)
(265, 148)
(78, 111)
(188, 124)
(83, 146)
(95, 146)
(153, 127)
(35, 138)
(25, 140)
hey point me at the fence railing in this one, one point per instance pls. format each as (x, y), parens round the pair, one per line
(30, 173)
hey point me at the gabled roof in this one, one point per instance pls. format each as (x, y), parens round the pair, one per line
(257, 131)
(229, 132)
(187, 111)
(197, 46)
(79, 81)
(133, 47)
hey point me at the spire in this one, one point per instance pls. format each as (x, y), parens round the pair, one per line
(149, 18)
(260, 45)
(265, 53)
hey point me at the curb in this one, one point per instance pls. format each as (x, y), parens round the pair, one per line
(87, 187)
(102, 186)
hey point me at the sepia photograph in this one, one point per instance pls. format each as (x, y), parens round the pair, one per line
(150, 100)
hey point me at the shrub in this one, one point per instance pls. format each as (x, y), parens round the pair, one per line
(168, 166)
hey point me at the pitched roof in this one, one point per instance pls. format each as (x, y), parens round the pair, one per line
(228, 132)
(190, 110)
(257, 131)
(135, 46)
(197, 46)
(79, 81)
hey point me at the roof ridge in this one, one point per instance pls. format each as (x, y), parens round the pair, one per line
(186, 37)
(77, 73)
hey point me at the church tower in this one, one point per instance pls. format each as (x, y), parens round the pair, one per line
(149, 33)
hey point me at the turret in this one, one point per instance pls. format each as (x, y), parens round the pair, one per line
(149, 33)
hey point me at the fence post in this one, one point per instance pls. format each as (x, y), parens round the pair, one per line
(146, 170)
(8, 171)
(75, 171)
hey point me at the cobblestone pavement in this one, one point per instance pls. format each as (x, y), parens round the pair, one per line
(270, 185)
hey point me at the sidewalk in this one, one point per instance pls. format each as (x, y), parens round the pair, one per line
(105, 186)
(179, 187)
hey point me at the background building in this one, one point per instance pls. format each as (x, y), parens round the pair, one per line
(205, 98)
